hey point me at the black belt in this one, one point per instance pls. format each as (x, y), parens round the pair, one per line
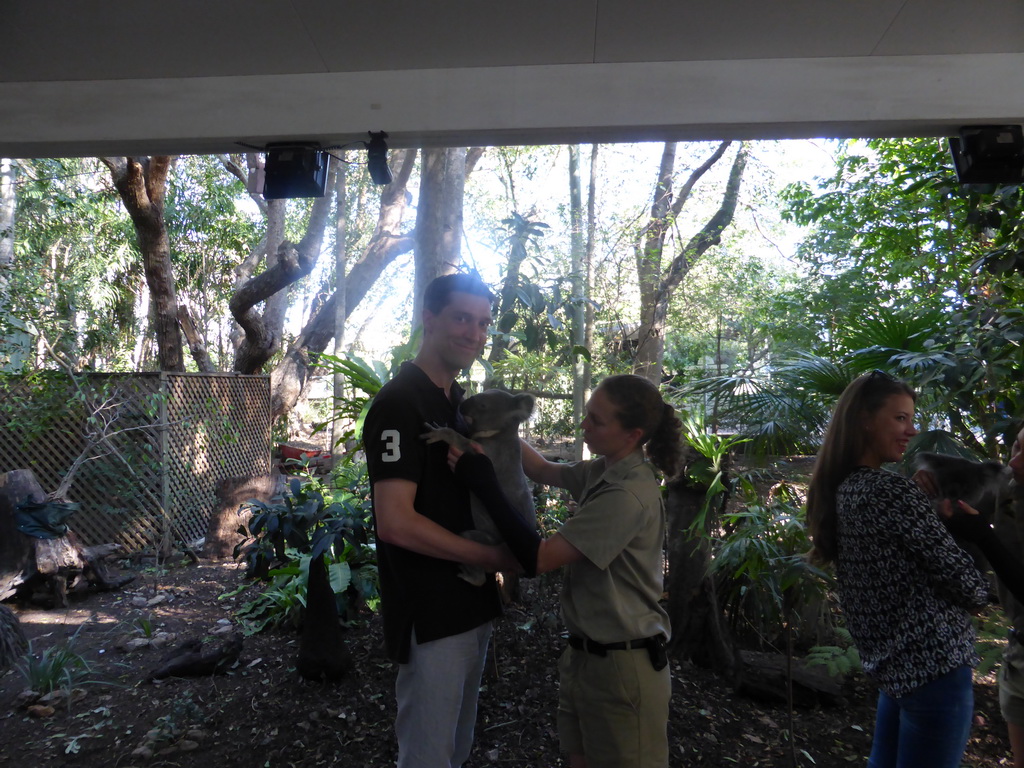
(601, 649)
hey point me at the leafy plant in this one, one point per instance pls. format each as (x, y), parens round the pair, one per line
(991, 628)
(365, 380)
(311, 520)
(144, 626)
(706, 468)
(280, 604)
(58, 667)
(839, 659)
(169, 728)
(765, 580)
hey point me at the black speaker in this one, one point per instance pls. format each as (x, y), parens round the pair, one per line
(988, 154)
(377, 158)
(295, 171)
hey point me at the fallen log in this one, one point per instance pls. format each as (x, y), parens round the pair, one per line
(764, 677)
(200, 657)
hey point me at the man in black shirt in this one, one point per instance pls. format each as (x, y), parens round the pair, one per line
(436, 625)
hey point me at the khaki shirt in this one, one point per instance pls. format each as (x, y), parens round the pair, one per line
(1009, 525)
(612, 595)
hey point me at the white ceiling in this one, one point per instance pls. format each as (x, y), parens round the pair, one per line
(200, 76)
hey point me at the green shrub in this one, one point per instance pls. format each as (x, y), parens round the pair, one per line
(763, 577)
(56, 668)
(311, 520)
(838, 659)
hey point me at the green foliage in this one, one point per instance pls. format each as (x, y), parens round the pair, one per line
(144, 626)
(779, 411)
(726, 317)
(934, 280)
(532, 342)
(77, 267)
(280, 603)
(309, 521)
(764, 578)
(839, 659)
(705, 469)
(365, 380)
(33, 404)
(58, 667)
(169, 728)
(963, 364)
(991, 627)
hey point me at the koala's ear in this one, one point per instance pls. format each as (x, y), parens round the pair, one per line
(525, 404)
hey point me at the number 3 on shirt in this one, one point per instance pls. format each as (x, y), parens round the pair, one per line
(392, 450)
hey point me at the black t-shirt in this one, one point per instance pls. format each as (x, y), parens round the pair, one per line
(417, 590)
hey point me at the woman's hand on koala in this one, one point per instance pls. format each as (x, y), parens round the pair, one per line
(925, 480)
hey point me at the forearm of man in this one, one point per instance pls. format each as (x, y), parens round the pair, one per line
(539, 469)
(398, 523)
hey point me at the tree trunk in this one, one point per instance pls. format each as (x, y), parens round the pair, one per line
(657, 284)
(289, 263)
(27, 561)
(16, 343)
(699, 631)
(322, 651)
(506, 317)
(13, 642)
(438, 219)
(7, 205)
(577, 313)
(341, 308)
(196, 343)
(588, 282)
(290, 376)
(232, 492)
(16, 552)
(142, 185)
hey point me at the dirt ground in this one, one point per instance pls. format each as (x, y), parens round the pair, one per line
(263, 714)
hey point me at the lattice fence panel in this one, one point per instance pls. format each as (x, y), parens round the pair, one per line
(218, 426)
(152, 482)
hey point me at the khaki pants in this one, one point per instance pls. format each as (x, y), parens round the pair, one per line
(613, 709)
(1011, 683)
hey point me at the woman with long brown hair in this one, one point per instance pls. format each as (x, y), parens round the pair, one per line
(906, 588)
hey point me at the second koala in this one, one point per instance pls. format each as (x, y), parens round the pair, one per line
(492, 419)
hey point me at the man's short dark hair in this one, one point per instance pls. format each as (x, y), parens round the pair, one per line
(439, 291)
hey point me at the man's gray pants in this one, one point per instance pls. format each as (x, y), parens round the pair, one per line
(437, 692)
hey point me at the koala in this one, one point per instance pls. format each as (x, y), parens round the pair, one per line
(976, 482)
(492, 419)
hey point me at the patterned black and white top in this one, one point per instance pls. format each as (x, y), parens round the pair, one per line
(905, 586)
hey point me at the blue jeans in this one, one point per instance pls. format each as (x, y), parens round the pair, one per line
(927, 727)
(437, 693)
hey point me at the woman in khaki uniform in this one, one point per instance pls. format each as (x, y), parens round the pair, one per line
(1009, 525)
(614, 679)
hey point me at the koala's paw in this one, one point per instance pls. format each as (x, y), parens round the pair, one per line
(473, 575)
(436, 434)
